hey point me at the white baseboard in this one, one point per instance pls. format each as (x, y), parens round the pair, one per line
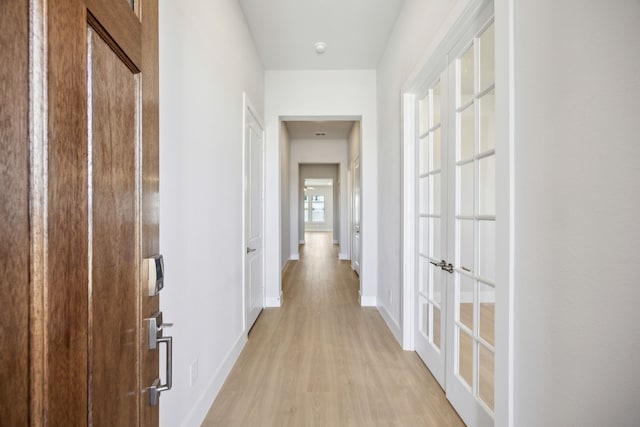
(301, 242)
(272, 302)
(294, 257)
(335, 242)
(368, 301)
(202, 406)
(343, 257)
(392, 324)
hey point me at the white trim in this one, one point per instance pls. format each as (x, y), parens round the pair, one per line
(273, 302)
(408, 220)
(294, 257)
(301, 242)
(335, 242)
(343, 256)
(391, 324)
(368, 301)
(199, 411)
(505, 209)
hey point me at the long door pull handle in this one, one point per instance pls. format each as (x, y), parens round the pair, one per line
(249, 250)
(157, 387)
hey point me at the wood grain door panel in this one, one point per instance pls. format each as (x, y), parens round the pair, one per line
(113, 229)
(14, 213)
(79, 201)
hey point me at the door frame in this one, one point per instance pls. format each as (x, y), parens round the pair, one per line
(248, 108)
(459, 23)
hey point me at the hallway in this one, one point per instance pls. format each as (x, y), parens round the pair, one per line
(323, 360)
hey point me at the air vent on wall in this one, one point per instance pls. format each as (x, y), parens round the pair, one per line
(321, 134)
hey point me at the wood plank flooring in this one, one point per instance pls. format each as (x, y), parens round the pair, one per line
(322, 360)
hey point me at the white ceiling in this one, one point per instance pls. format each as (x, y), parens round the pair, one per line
(308, 129)
(310, 182)
(355, 31)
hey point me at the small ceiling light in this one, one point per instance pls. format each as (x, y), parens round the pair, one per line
(320, 47)
(321, 134)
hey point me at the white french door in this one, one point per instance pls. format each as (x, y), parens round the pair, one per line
(455, 228)
(431, 221)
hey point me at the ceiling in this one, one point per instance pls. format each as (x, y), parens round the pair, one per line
(310, 182)
(355, 31)
(308, 129)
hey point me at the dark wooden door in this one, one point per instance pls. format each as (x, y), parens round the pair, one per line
(79, 191)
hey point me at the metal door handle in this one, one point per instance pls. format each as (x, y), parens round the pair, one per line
(443, 265)
(249, 250)
(157, 387)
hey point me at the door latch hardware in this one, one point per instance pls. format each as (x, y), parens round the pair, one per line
(249, 250)
(157, 387)
(443, 265)
(156, 326)
(448, 268)
(440, 264)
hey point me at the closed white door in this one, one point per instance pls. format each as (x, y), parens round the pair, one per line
(254, 217)
(454, 256)
(471, 314)
(431, 218)
(356, 215)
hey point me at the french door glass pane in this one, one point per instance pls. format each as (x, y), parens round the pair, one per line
(465, 151)
(436, 327)
(488, 122)
(437, 98)
(423, 235)
(424, 114)
(435, 194)
(423, 195)
(466, 76)
(487, 185)
(466, 189)
(436, 281)
(423, 161)
(465, 301)
(486, 368)
(487, 58)
(436, 240)
(487, 299)
(465, 240)
(423, 278)
(424, 316)
(465, 356)
(486, 249)
(437, 147)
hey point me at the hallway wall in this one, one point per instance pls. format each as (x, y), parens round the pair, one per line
(323, 94)
(285, 199)
(202, 77)
(577, 204)
(417, 32)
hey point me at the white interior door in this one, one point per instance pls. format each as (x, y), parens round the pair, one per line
(253, 216)
(471, 314)
(431, 197)
(454, 255)
(356, 215)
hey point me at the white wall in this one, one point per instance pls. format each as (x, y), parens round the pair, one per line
(202, 77)
(326, 94)
(419, 28)
(306, 159)
(285, 221)
(577, 204)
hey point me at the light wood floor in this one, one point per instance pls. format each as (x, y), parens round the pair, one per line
(322, 360)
